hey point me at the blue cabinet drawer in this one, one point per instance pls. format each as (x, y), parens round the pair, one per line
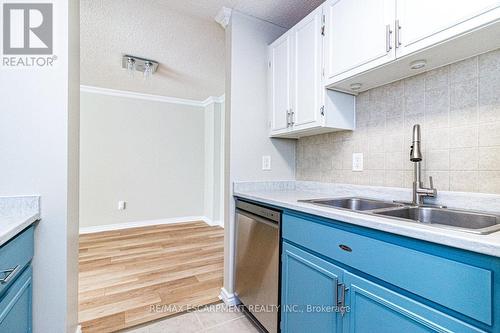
(463, 288)
(15, 306)
(14, 257)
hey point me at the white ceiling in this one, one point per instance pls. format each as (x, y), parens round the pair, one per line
(180, 34)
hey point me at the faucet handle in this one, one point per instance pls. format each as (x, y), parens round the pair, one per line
(431, 182)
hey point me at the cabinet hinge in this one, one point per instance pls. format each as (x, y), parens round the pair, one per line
(322, 110)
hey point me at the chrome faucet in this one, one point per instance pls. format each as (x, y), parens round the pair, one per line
(419, 191)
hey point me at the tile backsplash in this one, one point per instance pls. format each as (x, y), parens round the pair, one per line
(458, 107)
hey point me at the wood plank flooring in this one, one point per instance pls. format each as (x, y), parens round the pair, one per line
(129, 277)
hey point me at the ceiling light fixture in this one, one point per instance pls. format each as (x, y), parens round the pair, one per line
(418, 64)
(130, 66)
(146, 66)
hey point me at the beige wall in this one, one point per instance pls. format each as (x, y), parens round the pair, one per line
(147, 153)
(213, 163)
(458, 107)
(247, 116)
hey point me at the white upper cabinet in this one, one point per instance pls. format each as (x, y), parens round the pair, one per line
(423, 23)
(307, 69)
(279, 84)
(359, 36)
(373, 42)
(299, 103)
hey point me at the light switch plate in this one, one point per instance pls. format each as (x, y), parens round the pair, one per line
(266, 162)
(357, 162)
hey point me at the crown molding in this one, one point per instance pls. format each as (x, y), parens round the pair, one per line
(149, 97)
(223, 16)
(213, 99)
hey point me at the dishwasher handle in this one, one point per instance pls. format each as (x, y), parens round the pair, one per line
(258, 218)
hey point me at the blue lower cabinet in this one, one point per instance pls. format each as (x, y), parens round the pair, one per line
(385, 283)
(309, 293)
(375, 309)
(15, 306)
(15, 283)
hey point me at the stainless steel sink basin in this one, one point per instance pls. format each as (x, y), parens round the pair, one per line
(357, 204)
(469, 221)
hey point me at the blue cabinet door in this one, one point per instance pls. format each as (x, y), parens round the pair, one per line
(15, 306)
(308, 293)
(375, 309)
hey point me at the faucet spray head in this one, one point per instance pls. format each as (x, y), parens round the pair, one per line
(415, 153)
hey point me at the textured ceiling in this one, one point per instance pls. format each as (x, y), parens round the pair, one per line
(180, 34)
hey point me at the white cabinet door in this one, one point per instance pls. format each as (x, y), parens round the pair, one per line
(307, 71)
(424, 23)
(359, 36)
(280, 78)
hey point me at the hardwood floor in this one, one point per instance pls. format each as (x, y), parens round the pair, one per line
(129, 277)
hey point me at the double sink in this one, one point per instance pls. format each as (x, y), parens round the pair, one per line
(460, 220)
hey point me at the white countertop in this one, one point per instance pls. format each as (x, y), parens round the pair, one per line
(16, 214)
(287, 194)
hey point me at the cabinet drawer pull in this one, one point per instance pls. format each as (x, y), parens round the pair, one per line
(9, 274)
(345, 248)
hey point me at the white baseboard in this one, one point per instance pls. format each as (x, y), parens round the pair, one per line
(230, 299)
(212, 222)
(78, 329)
(119, 226)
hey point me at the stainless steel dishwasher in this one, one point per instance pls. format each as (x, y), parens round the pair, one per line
(257, 262)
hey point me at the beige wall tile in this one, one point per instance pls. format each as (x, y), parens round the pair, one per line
(437, 160)
(437, 106)
(437, 78)
(463, 137)
(377, 178)
(458, 107)
(489, 135)
(489, 158)
(394, 161)
(464, 159)
(374, 161)
(441, 179)
(436, 138)
(464, 181)
(489, 63)
(489, 182)
(489, 98)
(394, 178)
(464, 103)
(464, 70)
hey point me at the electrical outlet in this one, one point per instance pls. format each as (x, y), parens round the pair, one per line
(266, 162)
(357, 162)
(122, 205)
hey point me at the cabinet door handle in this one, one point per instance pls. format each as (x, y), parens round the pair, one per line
(398, 34)
(341, 302)
(336, 296)
(292, 117)
(287, 118)
(9, 274)
(388, 33)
